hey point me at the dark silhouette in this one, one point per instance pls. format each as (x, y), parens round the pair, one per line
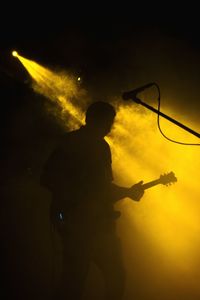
(79, 176)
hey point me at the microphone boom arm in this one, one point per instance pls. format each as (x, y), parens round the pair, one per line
(167, 117)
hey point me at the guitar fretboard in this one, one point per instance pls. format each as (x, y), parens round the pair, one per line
(150, 184)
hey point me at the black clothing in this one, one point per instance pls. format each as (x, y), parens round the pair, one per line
(79, 176)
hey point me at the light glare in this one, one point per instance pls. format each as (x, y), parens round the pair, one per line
(14, 53)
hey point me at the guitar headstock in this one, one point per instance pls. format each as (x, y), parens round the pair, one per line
(168, 179)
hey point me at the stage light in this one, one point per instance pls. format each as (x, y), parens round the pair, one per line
(14, 53)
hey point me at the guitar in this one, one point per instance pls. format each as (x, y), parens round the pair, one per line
(102, 219)
(166, 179)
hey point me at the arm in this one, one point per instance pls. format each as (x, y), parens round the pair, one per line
(135, 192)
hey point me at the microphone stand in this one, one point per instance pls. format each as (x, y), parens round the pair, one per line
(166, 117)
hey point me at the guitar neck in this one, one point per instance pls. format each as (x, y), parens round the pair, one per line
(150, 184)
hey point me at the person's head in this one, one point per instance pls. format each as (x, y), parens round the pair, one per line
(100, 117)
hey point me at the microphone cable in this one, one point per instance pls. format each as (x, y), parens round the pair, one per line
(159, 127)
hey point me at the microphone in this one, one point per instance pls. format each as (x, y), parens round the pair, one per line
(132, 94)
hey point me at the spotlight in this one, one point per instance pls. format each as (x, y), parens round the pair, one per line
(79, 78)
(14, 53)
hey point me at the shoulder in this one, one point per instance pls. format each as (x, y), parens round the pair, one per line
(69, 137)
(63, 144)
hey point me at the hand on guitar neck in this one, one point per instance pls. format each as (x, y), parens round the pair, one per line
(136, 191)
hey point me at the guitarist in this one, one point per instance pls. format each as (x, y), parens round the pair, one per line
(79, 177)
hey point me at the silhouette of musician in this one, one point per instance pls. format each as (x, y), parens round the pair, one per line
(79, 176)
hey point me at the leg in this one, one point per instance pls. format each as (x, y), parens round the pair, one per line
(75, 266)
(108, 257)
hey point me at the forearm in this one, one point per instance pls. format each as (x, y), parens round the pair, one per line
(134, 192)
